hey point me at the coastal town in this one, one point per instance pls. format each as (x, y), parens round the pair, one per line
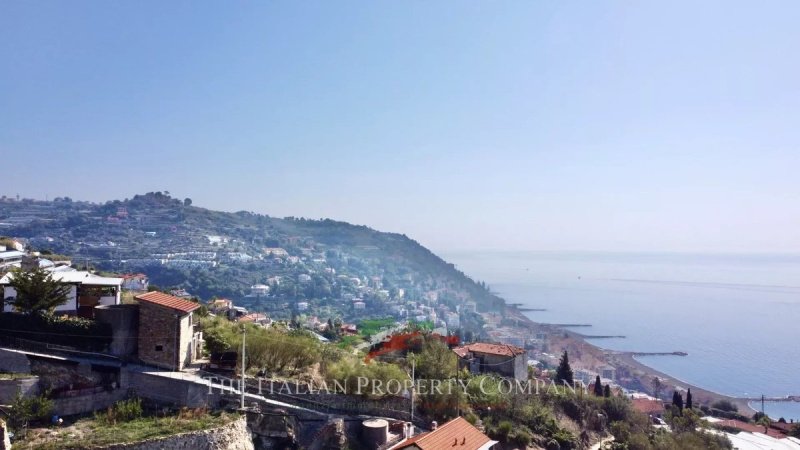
(170, 347)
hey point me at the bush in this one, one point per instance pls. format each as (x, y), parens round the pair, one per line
(28, 409)
(725, 405)
(122, 411)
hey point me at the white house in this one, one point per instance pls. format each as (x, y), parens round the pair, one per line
(135, 282)
(10, 258)
(258, 290)
(87, 290)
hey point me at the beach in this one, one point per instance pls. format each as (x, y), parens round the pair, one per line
(632, 374)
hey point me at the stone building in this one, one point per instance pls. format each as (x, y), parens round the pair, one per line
(503, 359)
(167, 336)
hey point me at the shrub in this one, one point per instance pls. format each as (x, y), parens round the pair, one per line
(27, 409)
(122, 411)
(725, 405)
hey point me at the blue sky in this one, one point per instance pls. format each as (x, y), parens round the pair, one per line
(467, 125)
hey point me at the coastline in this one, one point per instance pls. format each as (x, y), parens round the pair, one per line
(638, 374)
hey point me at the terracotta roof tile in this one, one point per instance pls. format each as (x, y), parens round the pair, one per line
(169, 301)
(647, 406)
(458, 434)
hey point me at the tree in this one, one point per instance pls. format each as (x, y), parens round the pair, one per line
(765, 422)
(37, 291)
(607, 391)
(689, 398)
(657, 387)
(564, 371)
(187, 202)
(598, 387)
(436, 361)
(677, 399)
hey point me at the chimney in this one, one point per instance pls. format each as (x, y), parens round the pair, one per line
(434, 425)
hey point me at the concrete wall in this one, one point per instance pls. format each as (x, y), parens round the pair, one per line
(170, 390)
(9, 388)
(185, 343)
(14, 362)
(87, 403)
(71, 305)
(124, 321)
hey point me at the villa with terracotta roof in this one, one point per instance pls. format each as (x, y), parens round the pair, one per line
(650, 407)
(458, 434)
(167, 336)
(503, 359)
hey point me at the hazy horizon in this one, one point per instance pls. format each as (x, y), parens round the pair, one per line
(514, 126)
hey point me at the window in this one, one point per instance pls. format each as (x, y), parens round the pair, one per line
(159, 348)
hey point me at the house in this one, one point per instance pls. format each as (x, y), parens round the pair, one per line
(220, 306)
(457, 434)
(648, 406)
(608, 372)
(348, 329)
(135, 282)
(258, 290)
(256, 318)
(503, 359)
(167, 336)
(302, 306)
(86, 290)
(10, 258)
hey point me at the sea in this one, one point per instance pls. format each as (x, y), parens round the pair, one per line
(736, 315)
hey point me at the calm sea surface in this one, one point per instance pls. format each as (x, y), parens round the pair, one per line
(738, 316)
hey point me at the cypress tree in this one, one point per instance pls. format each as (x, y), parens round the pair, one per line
(598, 388)
(607, 391)
(677, 399)
(689, 398)
(564, 371)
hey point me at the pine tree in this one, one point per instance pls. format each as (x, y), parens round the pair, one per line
(607, 391)
(564, 371)
(37, 291)
(598, 387)
(689, 398)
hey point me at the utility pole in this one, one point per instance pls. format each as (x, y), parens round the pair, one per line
(413, 386)
(242, 385)
(458, 397)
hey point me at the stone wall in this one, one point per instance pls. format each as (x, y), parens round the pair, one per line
(158, 335)
(234, 436)
(26, 386)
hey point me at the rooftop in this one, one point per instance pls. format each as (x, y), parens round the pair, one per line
(169, 301)
(74, 276)
(491, 349)
(458, 434)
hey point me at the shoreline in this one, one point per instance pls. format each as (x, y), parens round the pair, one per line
(638, 372)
